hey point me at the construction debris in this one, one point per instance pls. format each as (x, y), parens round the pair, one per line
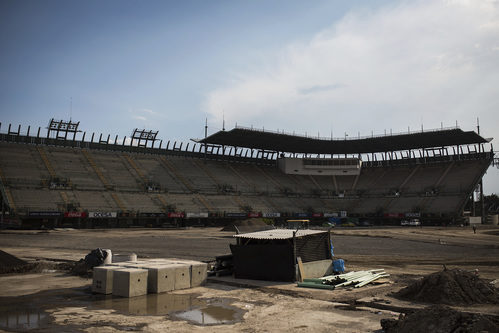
(357, 279)
(10, 263)
(451, 287)
(439, 318)
(223, 266)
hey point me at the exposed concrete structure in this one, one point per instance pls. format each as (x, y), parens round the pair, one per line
(103, 279)
(121, 257)
(198, 271)
(130, 282)
(182, 276)
(160, 278)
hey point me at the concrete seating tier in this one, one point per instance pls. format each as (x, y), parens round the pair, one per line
(156, 172)
(113, 181)
(37, 199)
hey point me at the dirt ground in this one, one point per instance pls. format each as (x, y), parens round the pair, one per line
(52, 301)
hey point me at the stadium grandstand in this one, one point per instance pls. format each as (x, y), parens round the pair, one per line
(60, 176)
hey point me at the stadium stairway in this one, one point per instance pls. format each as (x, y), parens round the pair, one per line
(172, 169)
(46, 161)
(139, 172)
(97, 170)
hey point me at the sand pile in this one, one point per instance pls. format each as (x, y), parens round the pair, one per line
(10, 263)
(248, 225)
(439, 318)
(451, 287)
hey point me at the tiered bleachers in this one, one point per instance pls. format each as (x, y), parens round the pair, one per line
(344, 183)
(70, 163)
(196, 177)
(116, 171)
(424, 178)
(113, 181)
(140, 202)
(96, 200)
(369, 180)
(31, 199)
(157, 172)
(185, 202)
(259, 182)
(226, 178)
(22, 166)
(461, 176)
(372, 205)
(392, 179)
(443, 203)
(222, 203)
(258, 204)
(284, 204)
(405, 204)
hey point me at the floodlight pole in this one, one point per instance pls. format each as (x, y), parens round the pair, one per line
(482, 202)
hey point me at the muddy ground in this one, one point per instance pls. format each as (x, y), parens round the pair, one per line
(52, 300)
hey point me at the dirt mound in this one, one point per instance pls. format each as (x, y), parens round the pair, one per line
(451, 287)
(10, 263)
(248, 225)
(439, 318)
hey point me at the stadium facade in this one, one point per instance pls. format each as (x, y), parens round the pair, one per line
(65, 177)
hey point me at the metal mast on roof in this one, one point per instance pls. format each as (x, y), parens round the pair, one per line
(482, 202)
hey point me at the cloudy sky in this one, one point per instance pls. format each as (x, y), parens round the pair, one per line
(315, 67)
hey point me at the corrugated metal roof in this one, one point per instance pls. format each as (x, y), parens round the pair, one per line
(278, 234)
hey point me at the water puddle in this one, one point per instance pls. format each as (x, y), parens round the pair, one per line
(211, 315)
(23, 320)
(28, 312)
(147, 305)
(178, 306)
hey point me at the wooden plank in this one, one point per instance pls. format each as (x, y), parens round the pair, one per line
(300, 268)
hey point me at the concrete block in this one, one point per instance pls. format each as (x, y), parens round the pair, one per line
(182, 276)
(103, 279)
(129, 282)
(160, 278)
(158, 260)
(120, 257)
(121, 264)
(140, 264)
(198, 271)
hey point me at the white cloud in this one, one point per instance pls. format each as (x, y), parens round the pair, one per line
(148, 117)
(148, 111)
(141, 118)
(425, 61)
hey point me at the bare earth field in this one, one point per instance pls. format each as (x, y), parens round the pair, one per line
(53, 301)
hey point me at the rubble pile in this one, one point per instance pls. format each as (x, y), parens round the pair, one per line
(10, 263)
(440, 318)
(451, 287)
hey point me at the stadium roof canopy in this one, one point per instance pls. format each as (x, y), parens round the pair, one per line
(279, 142)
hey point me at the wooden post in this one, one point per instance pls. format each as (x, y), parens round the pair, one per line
(294, 249)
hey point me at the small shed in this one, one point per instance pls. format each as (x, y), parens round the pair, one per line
(272, 254)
